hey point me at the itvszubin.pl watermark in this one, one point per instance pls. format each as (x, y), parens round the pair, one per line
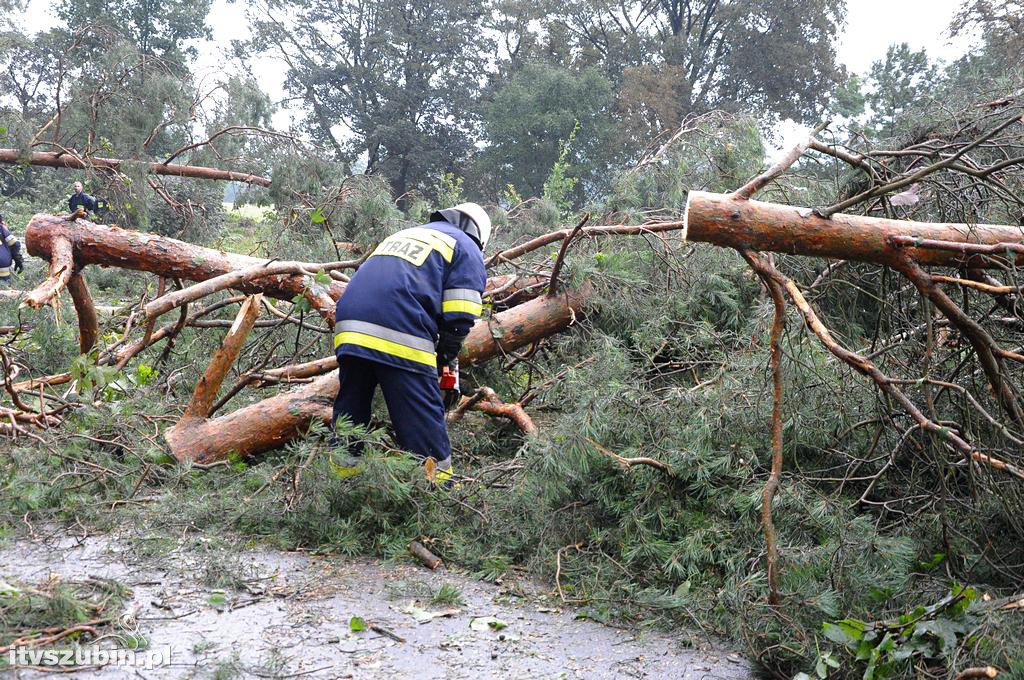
(90, 655)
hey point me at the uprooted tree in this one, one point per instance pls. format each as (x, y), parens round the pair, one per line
(531, 304)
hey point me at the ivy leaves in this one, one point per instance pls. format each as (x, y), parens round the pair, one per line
(882, 646)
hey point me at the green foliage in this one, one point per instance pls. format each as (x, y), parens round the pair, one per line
(558, 187)
(368, 214)
(447, 594)
(849, 98)
(449, 190)
(898, 82)
(528, 123)
(26, 609)
(888, 649)
(157, 28)
(719, 155)
(89, 376)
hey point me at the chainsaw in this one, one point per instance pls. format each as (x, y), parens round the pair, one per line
(449, 380)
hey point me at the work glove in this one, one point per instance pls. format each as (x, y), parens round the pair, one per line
(19, 262)
(448, 347)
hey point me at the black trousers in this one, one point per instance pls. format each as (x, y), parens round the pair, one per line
(414, 403)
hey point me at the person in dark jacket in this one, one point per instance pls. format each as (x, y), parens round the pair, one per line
(80, 199)
(404, 314)
(10, 254)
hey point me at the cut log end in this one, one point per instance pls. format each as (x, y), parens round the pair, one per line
(426, 558)
(686, 215)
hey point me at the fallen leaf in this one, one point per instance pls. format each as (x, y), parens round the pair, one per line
(487, 623)
(423, 616)
(357, 624)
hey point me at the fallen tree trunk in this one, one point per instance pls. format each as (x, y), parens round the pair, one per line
(719, 219)
(734, 222)
(88, 321)
(54, 159)
(112, 246)
(273, 422)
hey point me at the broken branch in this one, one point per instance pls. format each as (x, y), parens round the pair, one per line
(53, 159)
(208, 386)
(61, 268)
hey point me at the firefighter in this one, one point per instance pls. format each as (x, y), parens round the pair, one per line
(10, 254)
(80, 199)
(404, 315)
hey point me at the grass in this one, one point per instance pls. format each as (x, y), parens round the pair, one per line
(448, 594)
(247, 229)
(34, 611)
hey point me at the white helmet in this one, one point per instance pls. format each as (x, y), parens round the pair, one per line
(471, 219)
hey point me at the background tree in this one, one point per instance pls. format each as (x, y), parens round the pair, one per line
(158, 27)
(391, 84)
(532, 116)
(1001, 24)
(764, 56)
(899, 81)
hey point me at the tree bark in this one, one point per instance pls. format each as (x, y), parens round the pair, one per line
(734, 222)
(115, 247)
(88, 321)
(725, 220)
(62, 265)
(53, 159)
(206, 389)
(273, 422)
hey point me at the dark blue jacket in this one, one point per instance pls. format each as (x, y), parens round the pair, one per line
(9, 245)
(417, 283)
(84, 200)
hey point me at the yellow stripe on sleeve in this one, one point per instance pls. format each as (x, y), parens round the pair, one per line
(465, 306)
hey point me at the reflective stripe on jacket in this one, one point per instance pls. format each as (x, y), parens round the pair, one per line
(417, 282)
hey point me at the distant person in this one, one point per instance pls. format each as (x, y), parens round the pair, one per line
(82, 200)
(10, 253)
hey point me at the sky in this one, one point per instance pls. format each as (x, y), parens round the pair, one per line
(871, 27)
